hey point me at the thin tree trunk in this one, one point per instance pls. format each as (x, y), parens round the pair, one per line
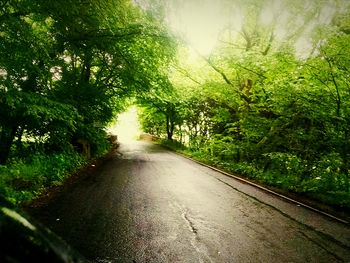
(6, 139)
(19, 143)
(169, 135)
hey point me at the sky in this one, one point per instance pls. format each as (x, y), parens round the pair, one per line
(200, 22)
(127, 127)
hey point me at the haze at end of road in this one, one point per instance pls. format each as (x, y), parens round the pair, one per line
(127, 127)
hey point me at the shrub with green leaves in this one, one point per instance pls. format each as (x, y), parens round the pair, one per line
(22, 181)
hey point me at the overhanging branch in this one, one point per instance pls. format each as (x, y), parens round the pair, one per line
(186, 74)
(227, 80)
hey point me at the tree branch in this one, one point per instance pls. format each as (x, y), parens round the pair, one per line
(267, 49)
(186, 74)
(338, 100)
(227, 80)
(250, 70)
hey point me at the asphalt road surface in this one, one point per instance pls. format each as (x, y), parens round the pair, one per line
(146, 204)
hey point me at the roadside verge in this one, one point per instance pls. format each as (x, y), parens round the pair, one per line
(299, 200)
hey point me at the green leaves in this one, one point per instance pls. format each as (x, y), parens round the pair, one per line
(21, 181)
(272, 100)
(70, 65)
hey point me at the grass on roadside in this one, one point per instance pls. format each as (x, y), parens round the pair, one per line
(22, 181)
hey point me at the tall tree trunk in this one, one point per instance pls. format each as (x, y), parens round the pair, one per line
(170, 122)
(86, 69)
(19, 135)
(172, 126)
(7, 136)
(168, 128)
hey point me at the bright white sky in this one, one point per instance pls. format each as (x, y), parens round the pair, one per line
(200, 22)
(127, 128)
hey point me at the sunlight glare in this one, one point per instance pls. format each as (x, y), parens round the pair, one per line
(200, 22)
(127, 128)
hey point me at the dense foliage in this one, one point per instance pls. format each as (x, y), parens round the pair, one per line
(261, 106)
(271, 101)
(65, 69)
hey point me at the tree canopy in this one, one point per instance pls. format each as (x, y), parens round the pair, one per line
(66, 67)
(261, 87)
(271, 98)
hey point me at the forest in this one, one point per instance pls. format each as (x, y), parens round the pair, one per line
(268, 101)
(67, 69)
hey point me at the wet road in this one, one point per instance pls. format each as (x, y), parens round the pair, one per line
(150, 205)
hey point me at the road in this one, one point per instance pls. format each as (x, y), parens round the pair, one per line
(146, 204)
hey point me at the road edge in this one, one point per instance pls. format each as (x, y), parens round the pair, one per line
(246, 181)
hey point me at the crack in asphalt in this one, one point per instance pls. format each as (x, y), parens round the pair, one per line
(195, 240)
(196, 243)
(190, 223)
(187, 219)
(321, 234)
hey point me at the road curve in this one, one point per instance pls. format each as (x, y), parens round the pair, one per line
(146, 204)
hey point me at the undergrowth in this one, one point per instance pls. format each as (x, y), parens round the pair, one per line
(22, 180)
(32, 170)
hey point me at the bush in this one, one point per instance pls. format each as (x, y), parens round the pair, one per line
(328, 174)
(22, 181)
(224, 148)
(172, 145)
(284, 163)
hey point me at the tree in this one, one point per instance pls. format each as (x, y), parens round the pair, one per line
(85, 57)
(272, 98)
(163, 104)
(25, 73)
